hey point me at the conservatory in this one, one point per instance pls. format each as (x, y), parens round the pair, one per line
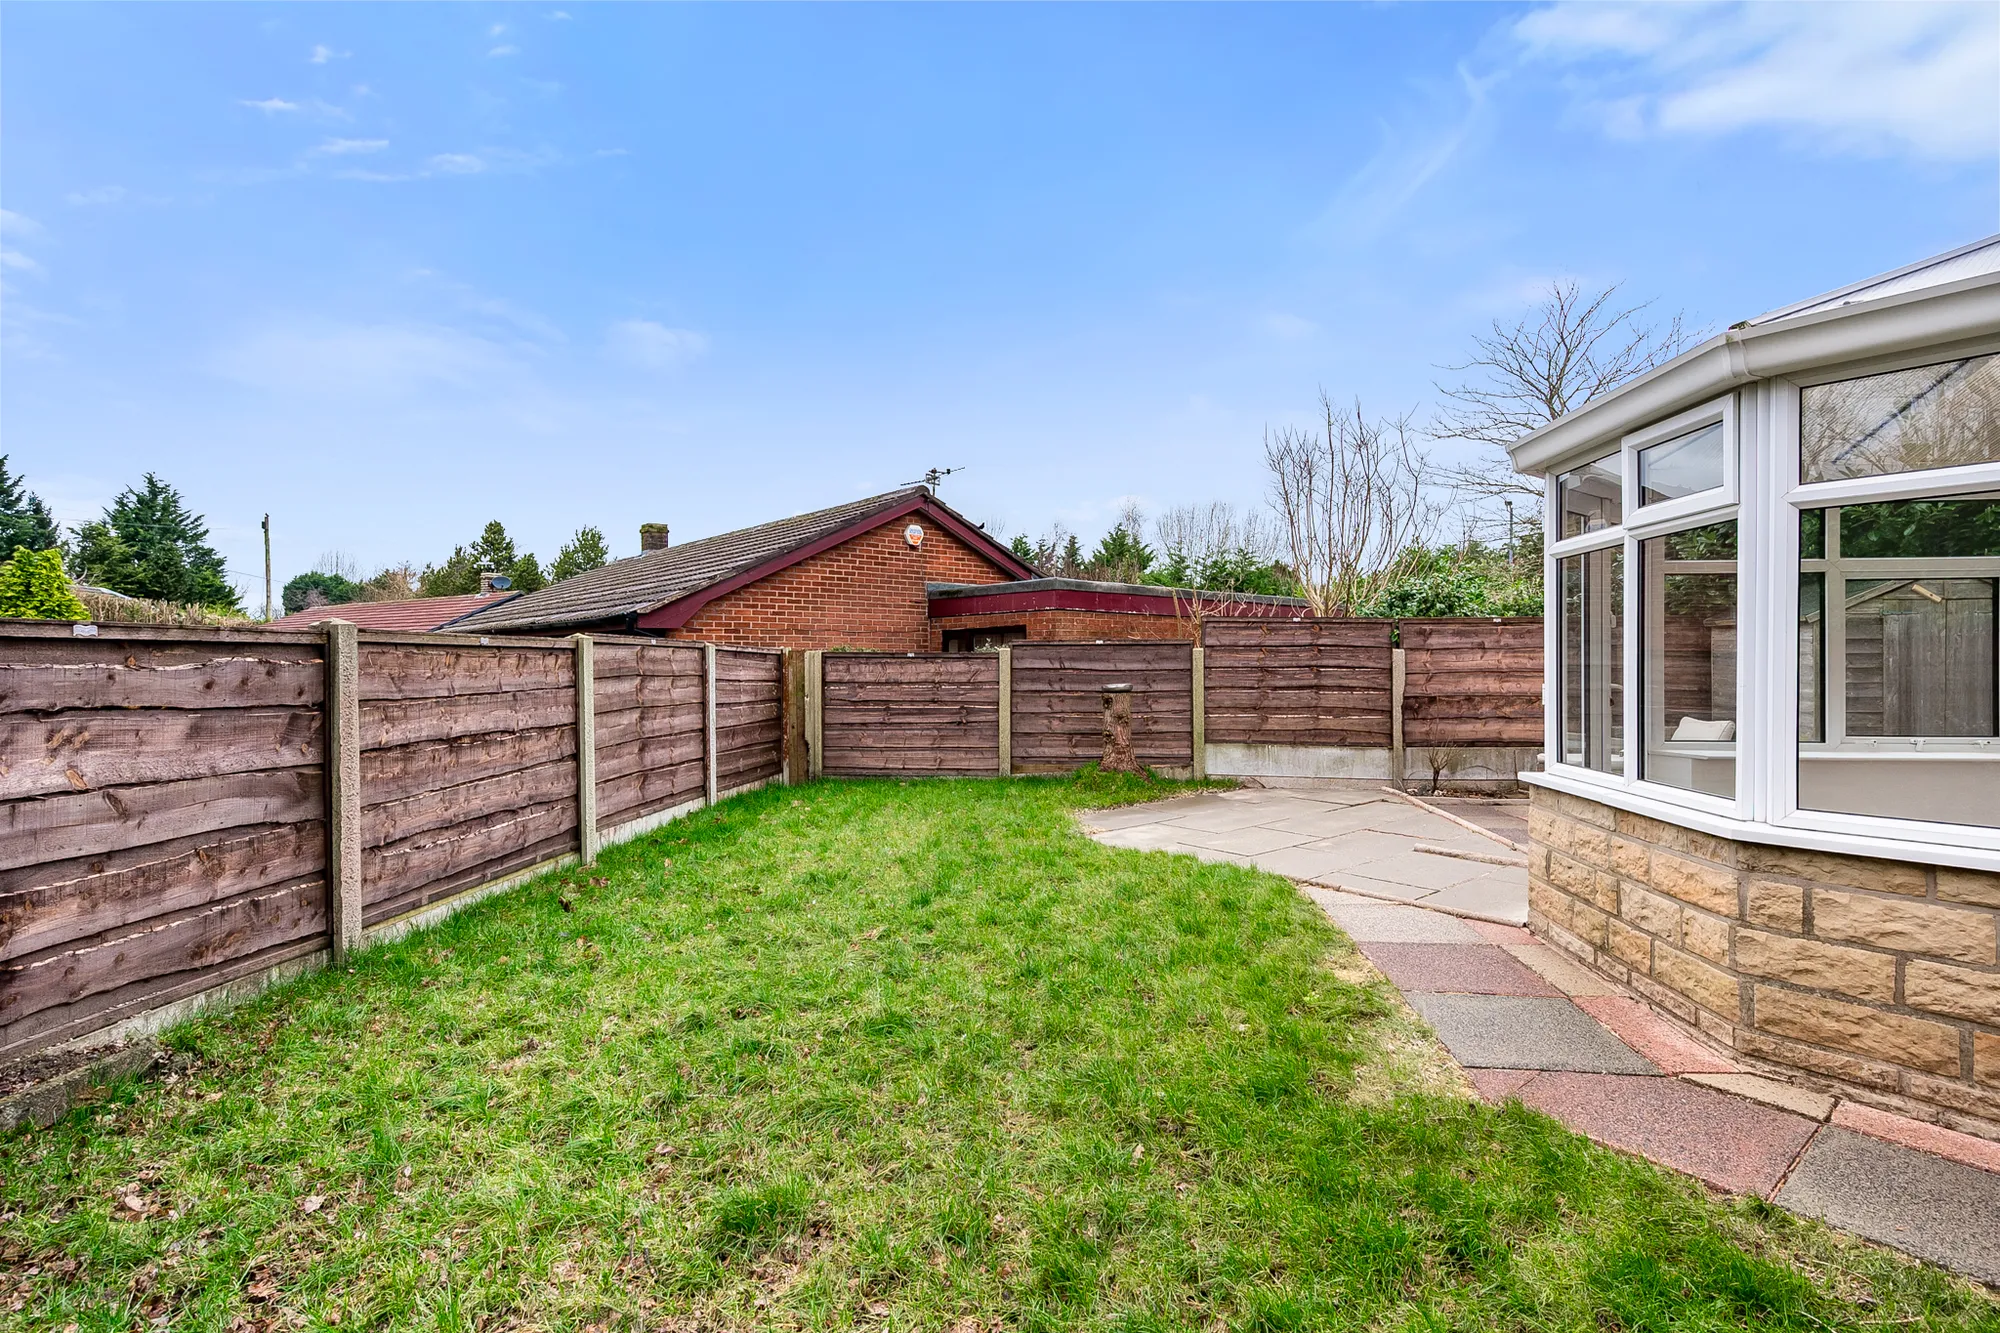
(1771, 792)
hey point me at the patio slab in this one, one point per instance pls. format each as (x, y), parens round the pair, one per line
(1382, 923)
(1563, 972)
(1732, 1144)
(1523, 1032)
(1943, 1211)
(1652, 1036)
(1249, 841)
(1464, 969)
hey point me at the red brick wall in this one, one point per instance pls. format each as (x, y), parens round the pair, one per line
(1071, 626)
(867, 592)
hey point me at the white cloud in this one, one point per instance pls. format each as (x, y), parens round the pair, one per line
(651, 346)
(102, 194)
(18, 224)
(496, 30)
(559, 16)
(504, 51)
(272, 105)
(458, 164)
(321, 54)
(1410, 156)
(375, 360)
(347, 147)
(1914, 78)
(1290, 327)
(14, 259)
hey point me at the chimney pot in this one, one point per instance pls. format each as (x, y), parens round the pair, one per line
(652, 537)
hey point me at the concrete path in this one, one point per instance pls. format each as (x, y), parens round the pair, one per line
(1527, 1023)
(1364, 842)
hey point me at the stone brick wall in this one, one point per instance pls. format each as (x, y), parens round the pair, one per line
(1072, 626)
(1879, 979)
(868, 592)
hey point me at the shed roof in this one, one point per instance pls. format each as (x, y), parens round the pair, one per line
(411, 613)
(654, 579)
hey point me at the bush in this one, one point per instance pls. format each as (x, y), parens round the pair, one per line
(34, 587)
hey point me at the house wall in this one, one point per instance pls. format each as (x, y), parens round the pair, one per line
(1878, 979)
(1071, 626)
(868, 592)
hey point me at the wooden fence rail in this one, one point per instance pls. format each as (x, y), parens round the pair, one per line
(175, 818)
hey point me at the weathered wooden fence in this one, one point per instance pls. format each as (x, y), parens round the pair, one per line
(181, 810)
(1336, 697)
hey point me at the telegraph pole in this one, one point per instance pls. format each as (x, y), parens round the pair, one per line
(267, 569)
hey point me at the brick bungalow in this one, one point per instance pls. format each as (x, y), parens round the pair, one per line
(851, 576)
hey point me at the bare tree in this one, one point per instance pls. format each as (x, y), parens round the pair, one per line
(1199, 533)
(1355, 503)
(1573, 346)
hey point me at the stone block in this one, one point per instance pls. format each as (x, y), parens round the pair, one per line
(1633, 947)
(1832, 1064)
(1548, 902)
(1959, 992)
(1591, 845)
(1914, 1043)
(1977, 887)
(1640, 827)
(1858, 872)
(1631, 859)
(1665, 1000)
(1588, 812)
(1650, 912)
(1770, 902)
(1710, 987)
(1861, 973)
(1589, 923)
(1705, 935)
(1711, 888)
(1548, 828)
(1963, 1097)
(1695, 843)
(1986, 1059)
(1571, 875)
(1908, 927)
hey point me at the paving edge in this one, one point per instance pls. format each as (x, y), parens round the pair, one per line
(1391, 900)
(40, 1105)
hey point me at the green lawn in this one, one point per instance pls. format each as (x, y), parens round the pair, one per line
(898, 1055)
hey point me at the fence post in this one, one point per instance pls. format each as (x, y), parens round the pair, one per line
(588, 840)
(1396, 767)
(343, 787)
(815, 711)
(1006, 711)
(792, 717)
(1199, 691)
(708, 704)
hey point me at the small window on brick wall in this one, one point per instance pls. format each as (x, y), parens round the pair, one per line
(986, 640)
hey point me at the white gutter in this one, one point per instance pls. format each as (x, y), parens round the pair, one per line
(1950, 312)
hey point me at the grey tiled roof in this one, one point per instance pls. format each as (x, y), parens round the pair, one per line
(636, 585)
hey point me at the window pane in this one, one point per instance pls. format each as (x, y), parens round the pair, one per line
(1685, 465)
(1904, 421)
(1592, 665)
(1899, 664)
(1688, 658)
(1812, 534)
(1589, 497)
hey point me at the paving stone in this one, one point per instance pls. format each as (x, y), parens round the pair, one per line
(1494, 932)
(1246, 841)
(1502, 896)
(1362, 846)
(1425, 872)
(1933, 1139)
(1306, 861)
(1497, 1085)
(1465, 969)
(1946, 1212)
(1224, 818)
(1728, 1142)
(1400, 925)
(1563, 972)
(1130, 816)
(1332, 898)
(1326, 822)
(1523, 1032)
(1143, 838)
(1367, 885)
(1652, 1036)
(1785, 1096)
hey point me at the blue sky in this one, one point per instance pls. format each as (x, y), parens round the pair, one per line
(388, 271)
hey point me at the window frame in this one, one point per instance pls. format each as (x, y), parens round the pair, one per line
(1667, 515)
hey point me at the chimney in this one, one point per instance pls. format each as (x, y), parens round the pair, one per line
(652, 537)
(486, 577)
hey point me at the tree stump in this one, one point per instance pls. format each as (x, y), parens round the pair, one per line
(1118, 756)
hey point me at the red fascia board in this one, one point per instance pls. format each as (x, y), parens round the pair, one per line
(1076, 599)
(674, 614)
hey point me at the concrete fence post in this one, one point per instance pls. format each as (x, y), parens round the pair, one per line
(343, 787)
(588, 840)
(1006, 711)
(1396, 763)
(1198, 689)
(708, 730)
(815, 711)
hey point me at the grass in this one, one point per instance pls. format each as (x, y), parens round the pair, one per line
(888, 1055)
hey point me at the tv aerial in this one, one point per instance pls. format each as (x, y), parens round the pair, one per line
(933, 476)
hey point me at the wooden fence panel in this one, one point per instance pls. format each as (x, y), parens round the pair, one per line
(1298, 682)
(749, 716)
(1472, 682)
(1058, 712)
(162, 817)
(651, 724)
(483, 741)
(936, 714)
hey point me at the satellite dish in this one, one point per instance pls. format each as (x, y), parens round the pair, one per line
(914, 535)
(501, 582)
